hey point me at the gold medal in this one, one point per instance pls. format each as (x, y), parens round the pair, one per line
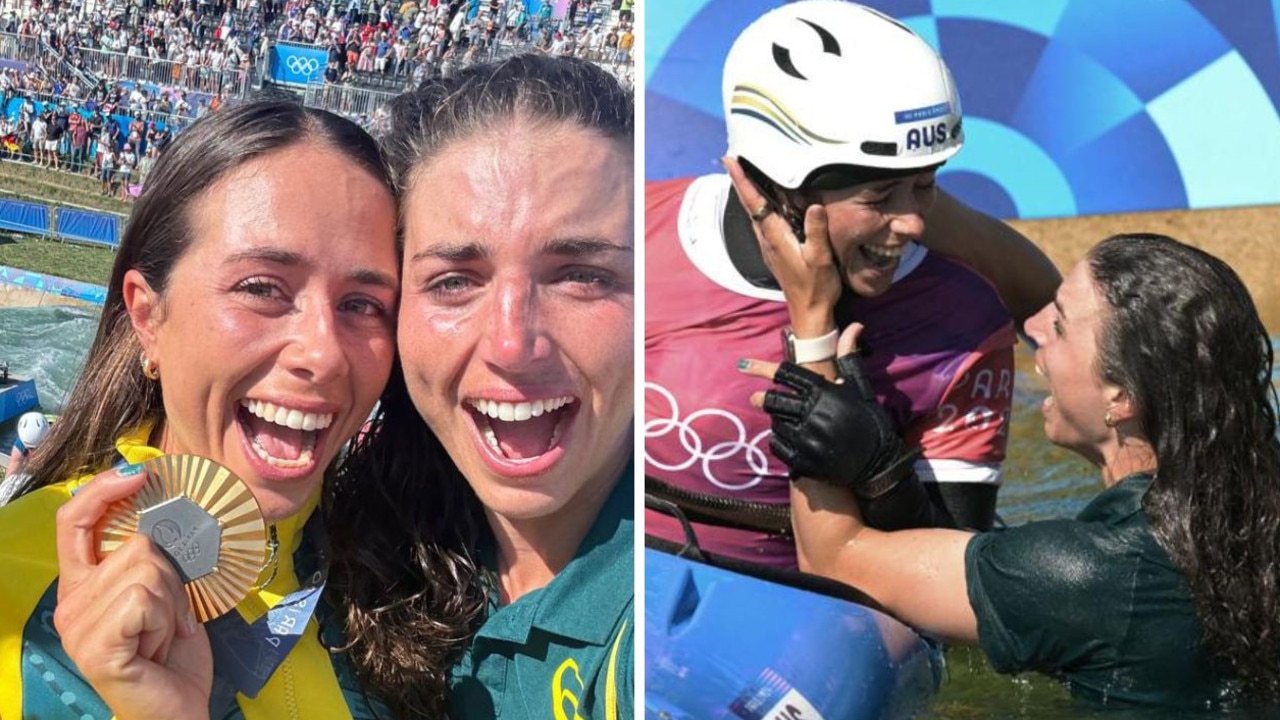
(204, 519)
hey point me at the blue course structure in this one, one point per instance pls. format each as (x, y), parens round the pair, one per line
(719, 645)
(1072, 107)
(53, 285)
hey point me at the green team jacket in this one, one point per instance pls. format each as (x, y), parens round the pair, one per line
(565, 651)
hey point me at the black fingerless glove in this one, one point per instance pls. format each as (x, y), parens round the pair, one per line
(836, 432)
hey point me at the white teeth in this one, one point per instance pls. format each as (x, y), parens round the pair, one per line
(518, 412)
(883, 251)
(290, 418)
(303, 459)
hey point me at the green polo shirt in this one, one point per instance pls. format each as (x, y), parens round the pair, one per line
(565, 651)
(1095, 601)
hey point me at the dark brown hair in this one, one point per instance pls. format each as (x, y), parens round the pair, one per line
(1183, 338)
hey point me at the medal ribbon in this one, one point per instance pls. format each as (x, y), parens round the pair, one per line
(246, 654)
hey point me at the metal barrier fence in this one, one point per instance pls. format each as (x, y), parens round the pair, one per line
(94, 227)
(347, 100)
(35, 52)
(18, 47)
(231, 83)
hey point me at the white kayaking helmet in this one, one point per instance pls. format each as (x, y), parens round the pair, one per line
(822, 83)
(32, 429)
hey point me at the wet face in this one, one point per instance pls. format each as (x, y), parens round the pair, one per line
(1066, 333)
(517, 313)
(871, 223)
(275, 335)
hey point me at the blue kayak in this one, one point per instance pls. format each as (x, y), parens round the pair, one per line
(720, 644)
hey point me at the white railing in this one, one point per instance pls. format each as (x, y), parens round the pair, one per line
(231, 83)
(19, 47)
(347, 100)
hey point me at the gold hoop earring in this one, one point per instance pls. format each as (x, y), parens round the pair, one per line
(1108, 420)
(150, 370)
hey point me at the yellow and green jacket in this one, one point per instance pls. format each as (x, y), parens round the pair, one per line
(38, 680)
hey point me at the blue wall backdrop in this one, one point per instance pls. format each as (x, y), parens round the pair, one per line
(1072, 107)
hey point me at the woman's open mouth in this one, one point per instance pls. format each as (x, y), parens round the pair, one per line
(522, 433)
(880, 257)
(283, 438)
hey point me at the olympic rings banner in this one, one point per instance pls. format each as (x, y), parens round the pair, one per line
(1072, 107)
(297, 64)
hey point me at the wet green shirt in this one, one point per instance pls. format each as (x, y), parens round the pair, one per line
(565, 651)
(1095, 601)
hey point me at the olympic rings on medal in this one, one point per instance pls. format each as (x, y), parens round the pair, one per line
(754, 451)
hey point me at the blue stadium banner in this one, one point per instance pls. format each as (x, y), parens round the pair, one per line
(1068, 110)
(293, 64)
(91, 227)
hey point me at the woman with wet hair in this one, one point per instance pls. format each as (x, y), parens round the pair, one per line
(516, 324)
(1163, 591)
(249, 319)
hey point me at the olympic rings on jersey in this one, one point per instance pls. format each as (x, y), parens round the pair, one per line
(752, 451)
(302, 65)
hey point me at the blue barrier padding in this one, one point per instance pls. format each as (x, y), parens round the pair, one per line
(53, 285)
(99, 228)
(297, 64)
(24, 216)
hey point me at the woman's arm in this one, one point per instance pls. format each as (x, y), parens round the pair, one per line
(1023, 275)
(917, 575)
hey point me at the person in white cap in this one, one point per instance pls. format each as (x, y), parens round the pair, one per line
(32, 430)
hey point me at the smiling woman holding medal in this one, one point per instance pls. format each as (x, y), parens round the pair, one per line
(249, 320)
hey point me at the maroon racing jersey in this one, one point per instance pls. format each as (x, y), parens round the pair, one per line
(941, 365)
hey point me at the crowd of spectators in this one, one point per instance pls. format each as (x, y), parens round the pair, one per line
(49, 120)
(211, 45)
(89, 98)
(412, 40)
(204, 46)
